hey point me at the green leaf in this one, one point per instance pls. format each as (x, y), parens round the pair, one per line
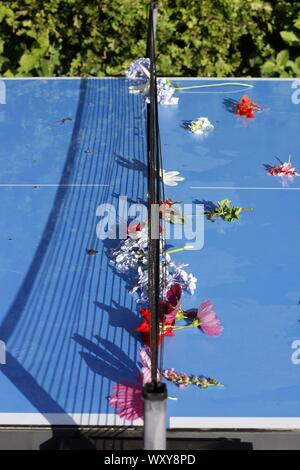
(283, 57)
(268, 68)
(224, 203)
(6, 11)
(29, 60)
(43, 40)
(289, 37)
(297, 22)
(225, 211)
(295, 68)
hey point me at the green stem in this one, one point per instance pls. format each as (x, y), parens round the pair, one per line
(212, 213)
(191, 325)
(178, 250)
(246, 85)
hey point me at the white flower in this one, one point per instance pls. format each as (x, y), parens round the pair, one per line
(139, 74)
(131, 258)
(200, 126)
(139, 69)
(192, 284)
(165, 92)
(171, 178)
(177, 275)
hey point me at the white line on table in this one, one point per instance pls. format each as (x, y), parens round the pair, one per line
(244, 188)
(54, 185)
(235, 423)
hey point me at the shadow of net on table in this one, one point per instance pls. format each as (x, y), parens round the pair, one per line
(16, 373)
(38, 385)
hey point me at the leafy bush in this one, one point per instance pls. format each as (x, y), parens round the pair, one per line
(285, 39)
(101, 37)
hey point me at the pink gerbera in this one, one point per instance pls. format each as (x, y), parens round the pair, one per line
(209, 322)
(127, 400)
(127, 397)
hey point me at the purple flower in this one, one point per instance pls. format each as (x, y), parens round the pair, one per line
(139, 73)
(165, 92)
(139, 70)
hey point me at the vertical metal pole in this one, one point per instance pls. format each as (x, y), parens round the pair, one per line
(153, 202)
(155, 422)
(155, 393)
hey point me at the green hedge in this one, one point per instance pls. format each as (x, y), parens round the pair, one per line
(195, 37)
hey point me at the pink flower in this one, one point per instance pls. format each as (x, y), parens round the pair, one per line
(127, 397)
(145, 358)
(169, 312)
(285, 169)
(146, 362)
(127, 400)
(209, 322)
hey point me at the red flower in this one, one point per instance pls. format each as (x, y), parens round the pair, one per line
(145, 327)
(174, 294)
(134, 228)
(169, 202)
(170, 307)
(246, 107)
(168, 330)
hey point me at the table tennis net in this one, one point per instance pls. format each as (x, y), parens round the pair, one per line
(155, 197)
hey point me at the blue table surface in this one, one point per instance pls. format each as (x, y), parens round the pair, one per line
(67, 318)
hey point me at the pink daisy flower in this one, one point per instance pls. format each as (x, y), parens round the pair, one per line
(209, 322)
(127, 400)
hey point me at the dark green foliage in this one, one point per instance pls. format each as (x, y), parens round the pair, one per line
(225, 211)
(101, 37)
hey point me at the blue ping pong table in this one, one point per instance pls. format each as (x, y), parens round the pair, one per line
(67, 320)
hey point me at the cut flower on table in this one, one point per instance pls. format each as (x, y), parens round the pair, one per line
(247, 108)
(139, 73)
(200, 126)
(284, 169)
(171, 178)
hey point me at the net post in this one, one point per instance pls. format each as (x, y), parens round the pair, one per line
(155, 431)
